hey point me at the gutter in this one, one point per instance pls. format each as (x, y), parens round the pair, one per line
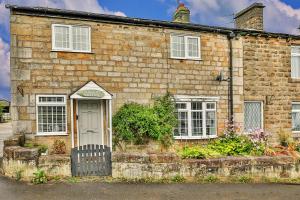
(72, 14)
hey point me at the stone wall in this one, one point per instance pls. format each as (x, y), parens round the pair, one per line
(159, 166)
(25, 162)
(267, 78)
(131, 62)
(22, 162)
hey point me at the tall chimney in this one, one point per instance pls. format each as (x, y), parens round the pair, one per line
(251, 17)
(182, 14)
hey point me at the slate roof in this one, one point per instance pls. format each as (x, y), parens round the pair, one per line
(62, 13)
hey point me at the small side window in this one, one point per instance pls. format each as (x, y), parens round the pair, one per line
(253, 115)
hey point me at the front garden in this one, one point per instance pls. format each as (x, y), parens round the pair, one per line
(136, 124)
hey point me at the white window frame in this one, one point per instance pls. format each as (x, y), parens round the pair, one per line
(54, 48)
(294, 55)
(189, 112)
(186, 48)
(51, 104)
(296, 110)
(261, 112)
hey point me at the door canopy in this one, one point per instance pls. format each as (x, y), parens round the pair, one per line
(91, 90)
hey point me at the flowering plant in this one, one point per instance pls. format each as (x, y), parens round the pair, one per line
(259, 136)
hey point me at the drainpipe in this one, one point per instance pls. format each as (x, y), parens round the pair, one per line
(230, 36)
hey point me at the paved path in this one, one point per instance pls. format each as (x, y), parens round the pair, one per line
(5, 132)
(11, 190)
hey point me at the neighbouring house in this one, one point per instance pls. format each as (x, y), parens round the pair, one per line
(71, 70)
(5, 104)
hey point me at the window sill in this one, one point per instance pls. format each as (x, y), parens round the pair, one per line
(294, 80)
(195, 59)
(51, 134)
(195, 137)
(69, 51)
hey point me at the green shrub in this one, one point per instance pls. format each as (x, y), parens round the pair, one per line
(19, 175)
(139, 123)
(245, 179)
(227, 145)
(39, 177)
(178, 179)
(198, 152)
(232, 145)
(210, 179)
(164, 108)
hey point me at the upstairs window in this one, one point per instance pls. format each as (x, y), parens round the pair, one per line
(253, 115)
(296, 116)
(51, 114)
(196, 120)
(71, 38)
(295, 62)
(185, 47)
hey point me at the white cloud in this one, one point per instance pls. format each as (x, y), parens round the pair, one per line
(279, 17)
(4, 64)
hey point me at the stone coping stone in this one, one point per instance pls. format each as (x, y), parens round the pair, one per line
(54, 159)
(20, 153)
(213, 162)
(145, 157)
(15, 140)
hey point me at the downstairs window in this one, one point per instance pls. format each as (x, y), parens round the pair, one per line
(51, 114)
(196, 120)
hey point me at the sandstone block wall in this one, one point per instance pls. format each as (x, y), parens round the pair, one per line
(252, 19)
(159, 166)
(267, 78)
(131, 62)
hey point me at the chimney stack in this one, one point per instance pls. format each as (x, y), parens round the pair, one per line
(182, 14)
(251, 17)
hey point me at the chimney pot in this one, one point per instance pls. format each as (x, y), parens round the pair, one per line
(251, 17)
(182, 14)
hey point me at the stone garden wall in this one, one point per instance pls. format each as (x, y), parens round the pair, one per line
(158, 166)
(23, 162)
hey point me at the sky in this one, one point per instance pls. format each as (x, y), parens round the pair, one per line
(280, 16)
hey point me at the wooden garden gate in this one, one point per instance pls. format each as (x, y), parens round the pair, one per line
(91, 160)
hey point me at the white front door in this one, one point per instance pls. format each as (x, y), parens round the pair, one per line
(89, 122)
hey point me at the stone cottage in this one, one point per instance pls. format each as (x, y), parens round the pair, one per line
(71, 70)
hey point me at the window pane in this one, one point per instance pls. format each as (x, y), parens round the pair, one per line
(253, 116)
(193, 47)
(196, 105)
(178, 46)
(81, 38)
(197, 124)
(295, 121)
(296, 106)
(51, 119)
(295, 50)
(182, 129)
(210, 123)
(180, 105)
(295, 67)
(210, 105)
(61, 37)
